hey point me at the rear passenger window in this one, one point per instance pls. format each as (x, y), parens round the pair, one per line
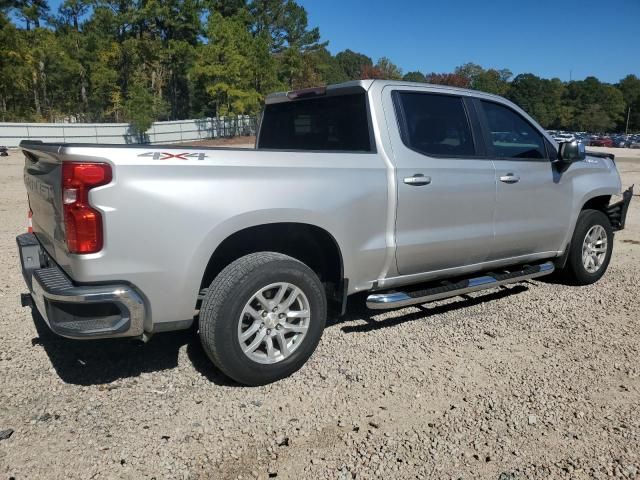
(511, 135)
(434, 124)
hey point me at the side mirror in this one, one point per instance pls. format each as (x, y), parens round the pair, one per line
(571, 152)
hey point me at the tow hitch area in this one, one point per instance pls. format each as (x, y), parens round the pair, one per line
(25, 300)
(617, 212)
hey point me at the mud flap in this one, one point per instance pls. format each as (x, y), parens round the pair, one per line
(617, 212)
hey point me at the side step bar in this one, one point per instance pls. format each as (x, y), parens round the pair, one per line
(382, 301)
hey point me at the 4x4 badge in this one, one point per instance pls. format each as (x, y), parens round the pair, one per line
(172, 156)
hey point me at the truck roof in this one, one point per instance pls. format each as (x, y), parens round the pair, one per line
(358, 85)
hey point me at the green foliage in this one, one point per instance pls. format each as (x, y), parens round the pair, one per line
(352, 63)
(389, 70)
(630, 88)
(224, 66)
(491, 80)
(541, 98)
(140, 61)
(142, 108)
(414, 77)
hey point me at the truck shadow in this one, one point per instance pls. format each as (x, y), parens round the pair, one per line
(359, 311)
(99, 362)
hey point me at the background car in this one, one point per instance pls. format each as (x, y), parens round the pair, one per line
(621, 142)
(564, 137)
(4, 152)
(601, 142)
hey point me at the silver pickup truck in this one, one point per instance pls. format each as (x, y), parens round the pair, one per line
(409, 192)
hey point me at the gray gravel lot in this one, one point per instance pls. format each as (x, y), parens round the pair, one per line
(537, 380)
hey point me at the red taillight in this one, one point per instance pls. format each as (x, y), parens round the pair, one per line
(83, 224)
(30, 221)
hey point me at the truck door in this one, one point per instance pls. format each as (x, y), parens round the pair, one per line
(533, 204)
(446, 188)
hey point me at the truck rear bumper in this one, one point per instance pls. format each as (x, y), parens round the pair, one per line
(78, 311)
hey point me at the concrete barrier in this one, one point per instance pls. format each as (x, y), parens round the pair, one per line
(122, 133)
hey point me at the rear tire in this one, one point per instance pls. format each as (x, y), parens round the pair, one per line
(590, 250)
(246, 327)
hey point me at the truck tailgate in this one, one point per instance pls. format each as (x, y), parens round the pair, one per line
(43, 181)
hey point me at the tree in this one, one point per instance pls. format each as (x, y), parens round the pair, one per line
(227, 8)
(389, 70)
(539, 97)
(451, 79)
(32, 12)
(630, 88)
(369, 72)
(384, 70)
(352, 63)
(326, 66)
(15, 81)
(591, 95)
(593, 118)
(470, 71)
(73, 10)
(414, 77)
(490, 81)
(147, 60)
(225, 64)
(141, 109)
(285, 23)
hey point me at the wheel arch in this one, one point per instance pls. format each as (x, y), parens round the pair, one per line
(598, 202)
(312, 245)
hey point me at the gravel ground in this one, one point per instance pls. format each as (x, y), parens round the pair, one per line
(537, 380)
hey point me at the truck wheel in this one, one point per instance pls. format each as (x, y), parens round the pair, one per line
(591, 247)
(262, 317)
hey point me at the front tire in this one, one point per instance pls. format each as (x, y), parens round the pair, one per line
(262, 317)
(590, 250)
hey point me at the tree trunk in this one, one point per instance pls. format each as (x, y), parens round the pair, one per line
(83, 79)
(36, 97)
(3, 107)
(45, 96)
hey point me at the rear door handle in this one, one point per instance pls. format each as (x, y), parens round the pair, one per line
(417, 180)
(510, 178)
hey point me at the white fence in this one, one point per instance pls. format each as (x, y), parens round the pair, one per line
(122, 133)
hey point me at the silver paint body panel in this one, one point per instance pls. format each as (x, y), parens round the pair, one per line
(163, 219)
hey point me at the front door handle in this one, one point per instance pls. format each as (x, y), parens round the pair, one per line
(417, 180)
(510, 178)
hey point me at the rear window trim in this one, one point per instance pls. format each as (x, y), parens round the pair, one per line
(335, 93)
(402, 124)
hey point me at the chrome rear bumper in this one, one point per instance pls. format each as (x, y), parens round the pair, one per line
(78, 311)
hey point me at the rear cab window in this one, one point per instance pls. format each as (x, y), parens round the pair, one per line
(337, 123)
(434, 124)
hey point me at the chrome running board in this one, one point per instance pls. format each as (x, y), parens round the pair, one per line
(381, 301)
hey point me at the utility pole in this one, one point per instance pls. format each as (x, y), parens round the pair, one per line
(626, 130)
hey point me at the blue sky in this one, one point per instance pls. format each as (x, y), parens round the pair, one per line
(548, 38)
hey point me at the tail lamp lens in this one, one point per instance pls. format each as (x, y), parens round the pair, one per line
(83, 223)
